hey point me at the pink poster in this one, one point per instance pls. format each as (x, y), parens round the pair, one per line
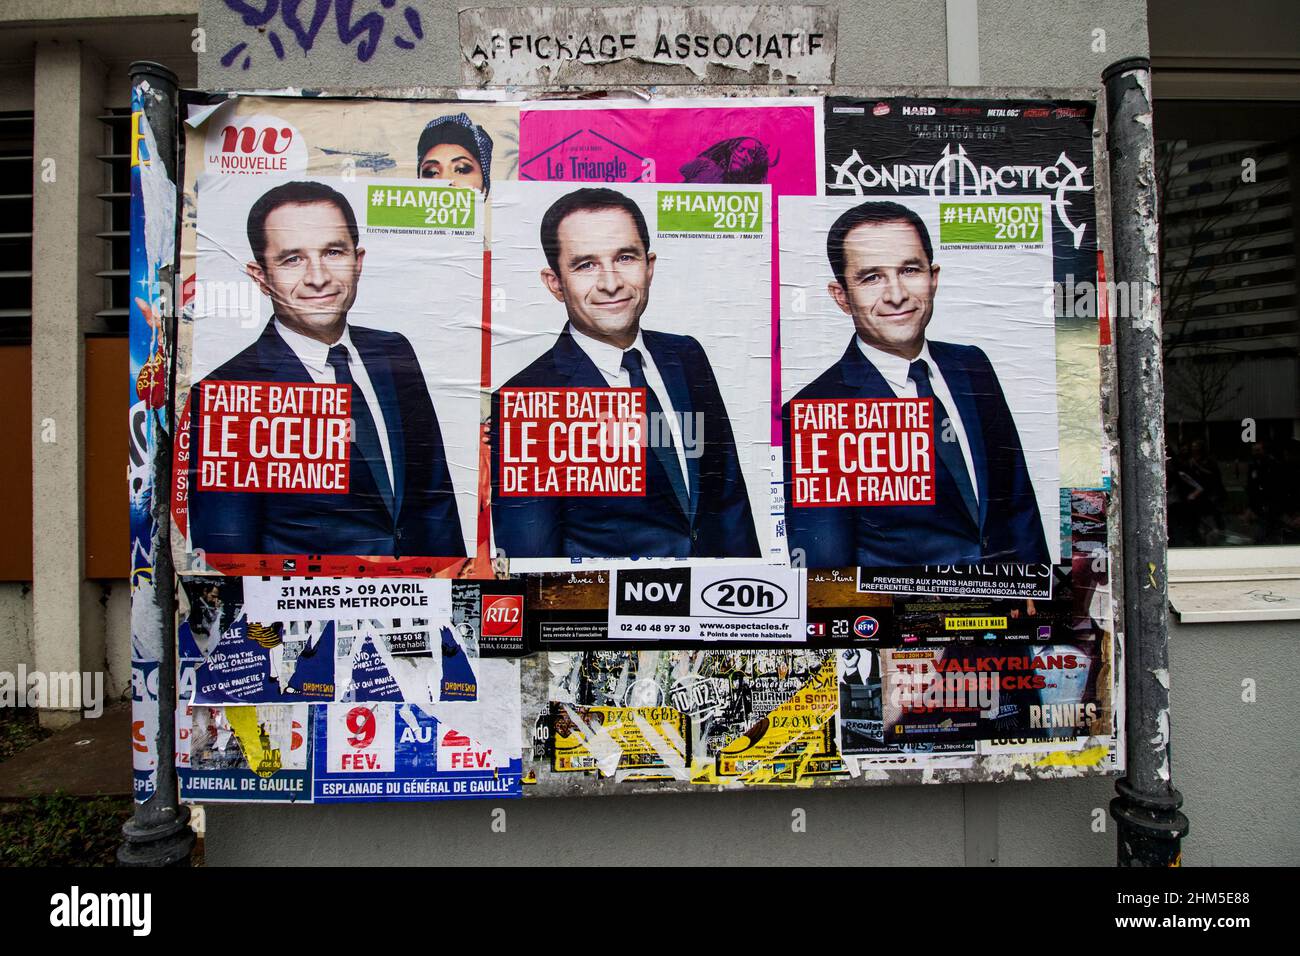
(777, 142)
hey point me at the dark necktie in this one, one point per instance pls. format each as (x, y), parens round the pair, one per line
(365, 436)
(949, 452)
(665, 450)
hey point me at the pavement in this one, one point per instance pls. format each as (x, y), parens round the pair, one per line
(91, 758)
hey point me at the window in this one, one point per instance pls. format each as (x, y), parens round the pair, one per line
(1229, 178)
(107, 363)
(16, 135)
(116, 197)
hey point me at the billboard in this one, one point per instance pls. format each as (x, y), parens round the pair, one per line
(593, 446)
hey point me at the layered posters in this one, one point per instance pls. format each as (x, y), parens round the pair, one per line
(152, 250)
(412, 695)
(334, 254)
(717, 443)
(920, 421)
(320, 640)
(760, 717)
(404, 752)
(973, 148)
(630, 361)
(776, 141)
(344, 752)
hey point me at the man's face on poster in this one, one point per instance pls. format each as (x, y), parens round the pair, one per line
(889, 286)
(310, 269)
(604, 274)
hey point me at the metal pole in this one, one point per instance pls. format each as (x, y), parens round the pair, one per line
(1150, 826)
(159, 833)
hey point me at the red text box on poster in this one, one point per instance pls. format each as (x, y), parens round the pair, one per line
(572, 442)
(856, 452)
(274, 437)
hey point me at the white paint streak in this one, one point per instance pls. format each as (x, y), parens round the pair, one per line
(673, 759)
(604, 748)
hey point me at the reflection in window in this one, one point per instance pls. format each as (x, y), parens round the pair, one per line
(1228, 175)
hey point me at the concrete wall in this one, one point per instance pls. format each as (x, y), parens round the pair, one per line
(1063, 43)
(1020, 42)
(116, 604)
(42, 11)
(108, 605)
(15, 625)
(1237, 765)
(68, 80)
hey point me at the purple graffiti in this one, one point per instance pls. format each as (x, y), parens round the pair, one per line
(305, 36)
(412, 18)
(364, 28)
(372, 23)
(254, 17)
(234, 52)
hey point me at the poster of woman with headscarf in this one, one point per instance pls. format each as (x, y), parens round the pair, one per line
(455, 149)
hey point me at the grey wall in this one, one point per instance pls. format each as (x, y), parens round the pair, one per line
(1053, 44)
(15, 625)
(109, 606)
(1237, 765)
(1021, 43)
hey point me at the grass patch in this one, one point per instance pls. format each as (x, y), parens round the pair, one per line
(59, 830)
(19, 729)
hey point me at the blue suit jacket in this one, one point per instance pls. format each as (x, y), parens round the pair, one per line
(425, 522)
(718, 521)
(887, 536)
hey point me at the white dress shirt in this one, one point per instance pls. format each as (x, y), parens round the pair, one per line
(314, 356)
(609, 360)
(894, 369)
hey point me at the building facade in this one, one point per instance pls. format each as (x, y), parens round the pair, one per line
(1228, 100)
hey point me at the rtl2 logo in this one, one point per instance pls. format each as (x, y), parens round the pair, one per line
(503, 615)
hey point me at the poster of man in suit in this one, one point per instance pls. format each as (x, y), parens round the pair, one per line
(629, 369)
(333, 415)
(919, 385)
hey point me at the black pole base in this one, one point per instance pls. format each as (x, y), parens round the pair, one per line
(167, 843)
(1151, 828)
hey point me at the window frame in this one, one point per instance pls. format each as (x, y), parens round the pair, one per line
(1228, 80)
